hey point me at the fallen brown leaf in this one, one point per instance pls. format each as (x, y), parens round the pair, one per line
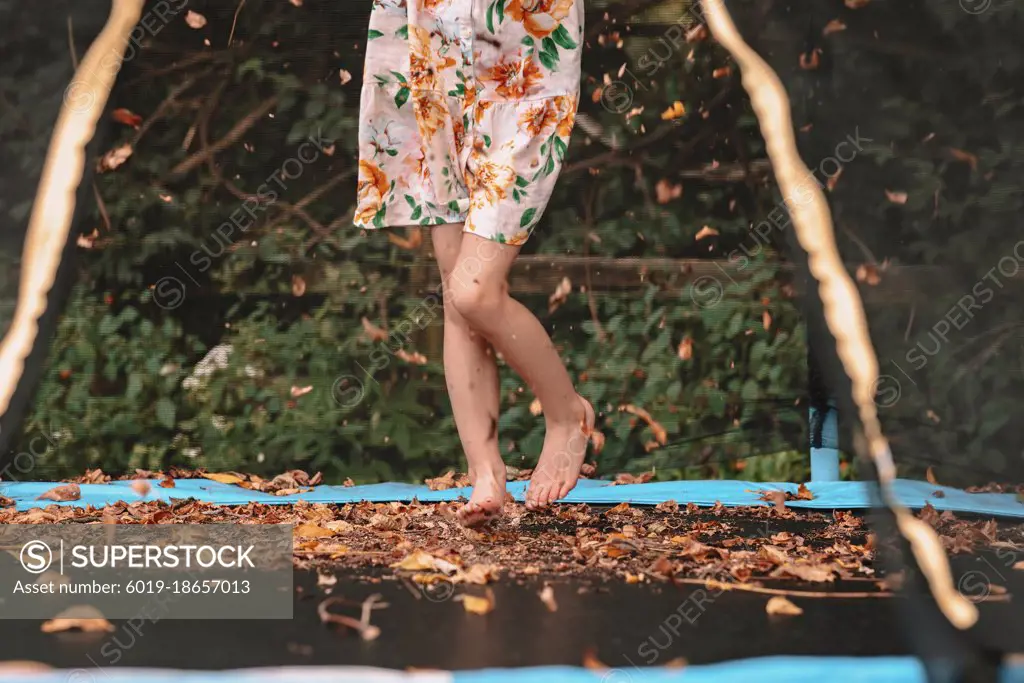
(167, 483)
(141, 487)
(311, 531)
(62, 493)
(224, 477)
(779, 605)
(804, 493)
(78, 618)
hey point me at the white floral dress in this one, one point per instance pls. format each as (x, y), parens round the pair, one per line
(466, 111)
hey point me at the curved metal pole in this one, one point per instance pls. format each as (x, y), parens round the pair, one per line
(844, 311)
(54, 208)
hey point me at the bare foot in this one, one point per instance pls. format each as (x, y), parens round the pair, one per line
(559, 466)
(487, 499)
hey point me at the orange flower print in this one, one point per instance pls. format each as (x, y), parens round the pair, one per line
(519, 238)
(372, 189)
(489, 183)
(514, 79)
(430, 115)
(481, 107)
(460, 135)
(536, 120)
(566, 105)
(540, 18)
(424, 62)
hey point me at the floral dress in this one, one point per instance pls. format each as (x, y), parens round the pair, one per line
(466, 111)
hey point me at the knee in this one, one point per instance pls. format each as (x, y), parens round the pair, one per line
(474, 300)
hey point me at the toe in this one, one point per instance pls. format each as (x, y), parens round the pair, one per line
(541, 498)
(564, 490)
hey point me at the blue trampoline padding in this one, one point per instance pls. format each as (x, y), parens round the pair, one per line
(762, 670)
(828, 495)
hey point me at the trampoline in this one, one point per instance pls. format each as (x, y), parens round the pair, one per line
(782, 260)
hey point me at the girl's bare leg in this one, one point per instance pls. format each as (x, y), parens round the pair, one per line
(471, 373)
(478, 290)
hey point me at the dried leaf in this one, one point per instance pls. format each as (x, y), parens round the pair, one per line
(803, 493)
(114, 158)
(62, 493)
(415, 357)
(810, 60)
(167, 483)
(779, 605)
(590, 660)
(126, 117)
(376, 334)
(660, 434)
(665, 191)
(344, 76)
(298, 285)
(547, 596)
(896, 197)
(223, 477)
(961, 155)
(561, 293)
(195, 20)
(141, 487)
(78, 618)
(929, 476)
(677, 110)
(766, 320)
(535, 407)
(856, 4)
(311, 531)
(833, 26)
(706, 231)
(1019, 565)
(449, 480)
(868, 274)
(721, 72)
(411, 243)
(478, 605)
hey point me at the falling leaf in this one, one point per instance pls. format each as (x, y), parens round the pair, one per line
(590, 660)
(62, 493)
(535, 407)
(810, 60)
(298, 285)
(779, 605)
(416, 358)
(478, 605)
(660, 434)
(929, 476)
(114, 158)
(223, 477)
(1019, 565)
(141, 487)
(856, 4)
(547, 596)
(301, 391)
(697, 34)
(721, 72)
(961, 155)
(411, 243)
(345, 76)
(675, 111)
(706, 231)
(22, 666)
(676, 663)
(833, 179)
(896, 197)
(686, 349)
(78, 618)
(833, 26)
(87, 241)
(868, 274)
(126, 117)
(297, 3)
(666, 191)
(195, 20)
(375, 333)
(167, 483)
(766, 320)
(561, 293)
